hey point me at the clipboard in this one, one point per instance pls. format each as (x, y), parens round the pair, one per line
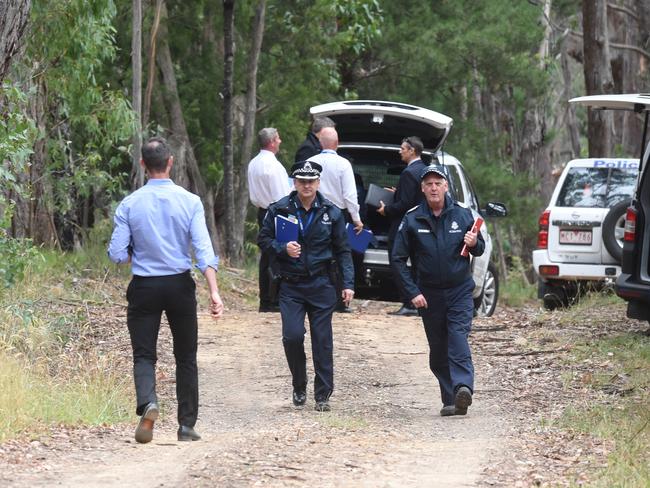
(286, 228)
(377, 193)
(358, 242)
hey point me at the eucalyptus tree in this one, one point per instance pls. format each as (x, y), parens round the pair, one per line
(81, 121)
(13, 22)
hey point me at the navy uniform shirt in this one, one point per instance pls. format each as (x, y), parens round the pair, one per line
(435, 242)
(322, 240)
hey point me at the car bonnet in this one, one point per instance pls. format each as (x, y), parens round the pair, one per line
(381, 122)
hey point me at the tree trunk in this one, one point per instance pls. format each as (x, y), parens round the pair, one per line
(185, 172)
(250, 111)
(151, 77)
(598, 74)
(13, 23)
(137, 173)
(227, 93)
(570, 112)
(626, 68)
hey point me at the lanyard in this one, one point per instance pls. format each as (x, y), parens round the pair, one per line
(304, 227)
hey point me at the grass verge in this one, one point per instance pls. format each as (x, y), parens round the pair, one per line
(56, 366)
(31, 400)
(621, 374)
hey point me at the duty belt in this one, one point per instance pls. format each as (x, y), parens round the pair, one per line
(295, 278)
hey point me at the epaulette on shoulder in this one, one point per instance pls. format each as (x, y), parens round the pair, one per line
(411, 209)
(462, 204)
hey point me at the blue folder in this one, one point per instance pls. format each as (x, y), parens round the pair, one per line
(358, 242)
(286, 228)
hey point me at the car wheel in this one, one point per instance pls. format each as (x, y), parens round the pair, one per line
(614, 229)
(486, 303)
(553, 295)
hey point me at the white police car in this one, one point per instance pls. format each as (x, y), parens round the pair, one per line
(580, 237)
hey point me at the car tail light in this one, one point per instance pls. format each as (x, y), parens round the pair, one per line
(542, 235)
(549, 270)
(630, 224)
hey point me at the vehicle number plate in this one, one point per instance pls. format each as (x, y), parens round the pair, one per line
(579, 237)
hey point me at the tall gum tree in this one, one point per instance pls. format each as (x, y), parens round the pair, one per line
(13, 23)
(598, 74)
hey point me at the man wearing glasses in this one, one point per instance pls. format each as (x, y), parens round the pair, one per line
(407, 196)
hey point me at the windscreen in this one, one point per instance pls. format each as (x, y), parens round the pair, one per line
(597, 187)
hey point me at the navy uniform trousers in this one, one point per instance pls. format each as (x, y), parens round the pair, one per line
(314, 296)
(447, 323)
(148, 297)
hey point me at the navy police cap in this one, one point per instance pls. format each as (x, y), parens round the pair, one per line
(306, 170)
(435, 169)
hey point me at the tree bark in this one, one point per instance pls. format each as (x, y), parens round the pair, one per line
(250, 112)
(598, 74)
(151, 78)
(570, 114)
(137, 173)
(14, 15)
(626, 70)
(227, 93)
(185, 171)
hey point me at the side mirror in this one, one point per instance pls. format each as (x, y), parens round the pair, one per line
(495, 209)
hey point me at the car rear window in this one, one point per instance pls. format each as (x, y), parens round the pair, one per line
(596, 187)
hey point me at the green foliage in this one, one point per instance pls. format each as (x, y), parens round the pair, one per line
(516, 291)
(17, 133)
(15, 253)
(86, 120)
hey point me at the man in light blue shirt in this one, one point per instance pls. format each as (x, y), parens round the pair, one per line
(155, 227)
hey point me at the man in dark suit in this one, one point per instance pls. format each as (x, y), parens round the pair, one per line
(407, 195)
(311, 145)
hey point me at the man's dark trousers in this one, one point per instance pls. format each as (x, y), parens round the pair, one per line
(267, 299)
(316, 297)
(148, 297)
(447, 323)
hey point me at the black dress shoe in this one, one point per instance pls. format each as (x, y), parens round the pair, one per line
(299, 397)
(188, 434)
(405, 311)
(322, 406)
(144, 430)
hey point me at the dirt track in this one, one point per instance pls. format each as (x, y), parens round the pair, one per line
(384, 428)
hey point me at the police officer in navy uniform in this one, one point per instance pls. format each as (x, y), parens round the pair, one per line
(435, 231)
(306, 285)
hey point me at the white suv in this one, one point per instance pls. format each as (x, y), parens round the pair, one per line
(580, 236)
(370, 134)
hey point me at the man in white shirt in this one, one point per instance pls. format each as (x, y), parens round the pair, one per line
(337, 184)
(268, 182)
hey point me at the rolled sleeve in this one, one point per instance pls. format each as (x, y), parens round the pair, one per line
(201, 242)
(118, 248)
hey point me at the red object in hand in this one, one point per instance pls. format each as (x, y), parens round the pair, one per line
(475, 228)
